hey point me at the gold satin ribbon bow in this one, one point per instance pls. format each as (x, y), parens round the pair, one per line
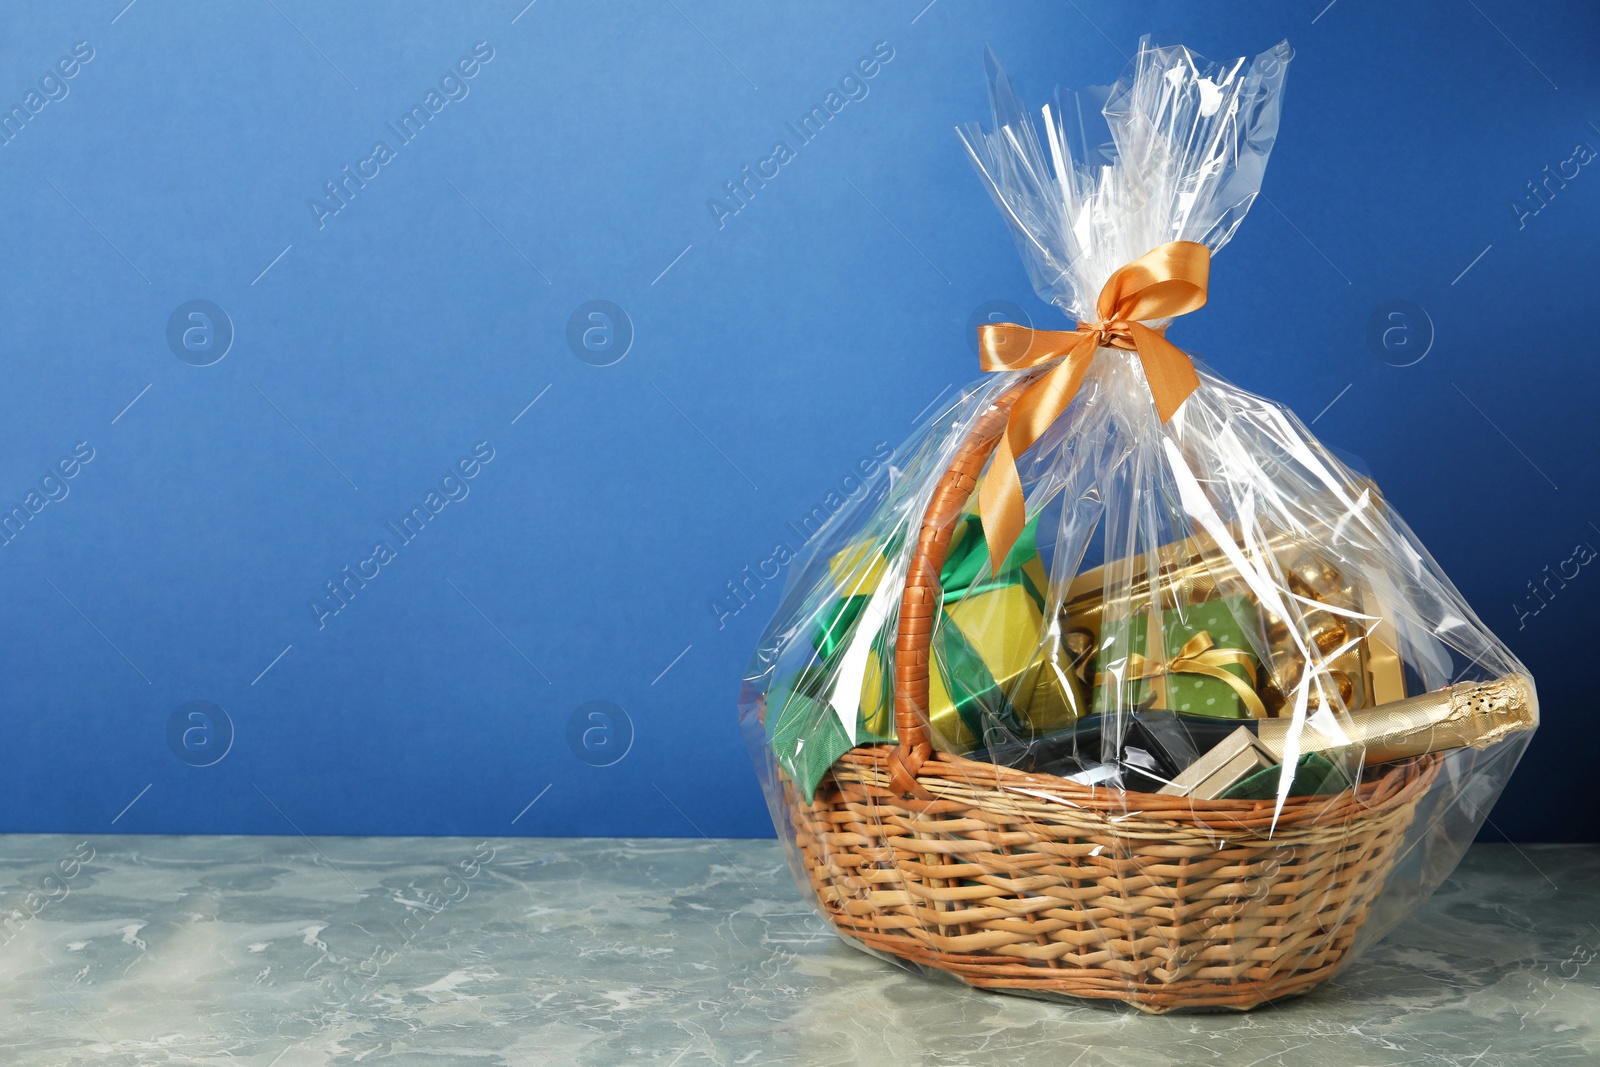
(1168, 281)
(1199, 655)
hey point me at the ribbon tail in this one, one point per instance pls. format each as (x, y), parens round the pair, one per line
(1167, 368)
(1000, 502)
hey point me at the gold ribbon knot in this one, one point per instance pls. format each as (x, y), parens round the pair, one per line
(1199, 655)
(1168, 281)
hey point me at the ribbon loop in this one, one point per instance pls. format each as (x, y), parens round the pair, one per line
(1168, 281)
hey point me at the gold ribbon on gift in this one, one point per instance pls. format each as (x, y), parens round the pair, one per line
(1199, 655)
(1168, 281)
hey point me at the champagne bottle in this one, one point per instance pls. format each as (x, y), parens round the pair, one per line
(1155, 747)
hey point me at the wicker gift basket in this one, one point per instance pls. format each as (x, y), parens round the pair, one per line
(1018, 881)
(1203, 773)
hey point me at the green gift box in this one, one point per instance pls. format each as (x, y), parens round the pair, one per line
(1208, 666)
(805, 732)
(986, 651)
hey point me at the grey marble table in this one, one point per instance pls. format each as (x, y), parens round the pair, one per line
(289, 952)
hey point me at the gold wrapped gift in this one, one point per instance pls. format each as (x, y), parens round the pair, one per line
(1367, 671)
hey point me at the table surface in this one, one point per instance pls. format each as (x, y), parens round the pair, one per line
(290, 952)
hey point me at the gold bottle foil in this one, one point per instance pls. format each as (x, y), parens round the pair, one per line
(1470, 715)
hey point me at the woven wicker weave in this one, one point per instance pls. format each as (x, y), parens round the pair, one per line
(1034, 883)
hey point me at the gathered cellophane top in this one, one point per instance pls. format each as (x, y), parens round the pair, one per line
(1212, 638)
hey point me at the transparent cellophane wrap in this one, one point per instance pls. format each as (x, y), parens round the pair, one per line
(1067, 871)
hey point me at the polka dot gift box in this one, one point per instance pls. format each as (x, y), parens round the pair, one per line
(1207, 666)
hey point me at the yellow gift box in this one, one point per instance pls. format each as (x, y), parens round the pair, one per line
(995, 666)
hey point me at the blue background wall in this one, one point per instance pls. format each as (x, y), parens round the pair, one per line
(373, 348)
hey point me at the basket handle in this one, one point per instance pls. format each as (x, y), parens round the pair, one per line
(922, 599)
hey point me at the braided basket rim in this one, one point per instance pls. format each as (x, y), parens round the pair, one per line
(1397, 783)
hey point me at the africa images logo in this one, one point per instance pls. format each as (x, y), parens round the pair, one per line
(53, 88)
(452, 488)
(852, 87)
(797, 534)
(452, 88)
